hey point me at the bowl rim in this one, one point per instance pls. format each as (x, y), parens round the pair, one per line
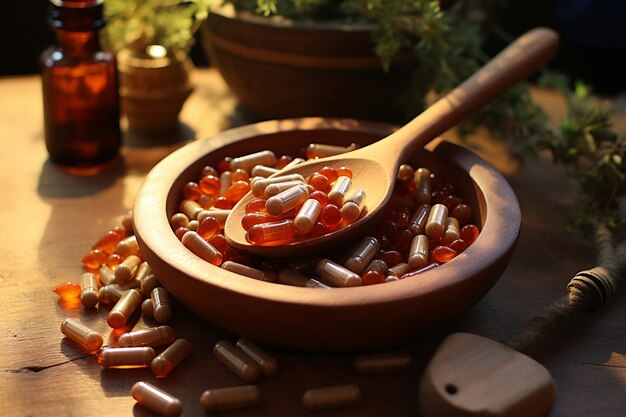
(154, 234)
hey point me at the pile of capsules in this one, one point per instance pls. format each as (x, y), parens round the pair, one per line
(425, 225)
(116, 275)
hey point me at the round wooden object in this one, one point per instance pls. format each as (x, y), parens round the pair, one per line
(340, 318)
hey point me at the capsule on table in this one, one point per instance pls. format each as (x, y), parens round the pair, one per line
(109, 294)
(148, 283)
(382, 363)
(263, 171)
(452, 231)
(258, 186)
(68, 290)
(162, 308)
(418, 253)
(269, 365)
(339, 189)
(272, 189)
(124, 308)
(127, 246)
(332, 397)
(423, 187)
(156, 400)
(320, 150)
(127, 269)
(436, 223)
(230, 398)
(287, 200)
(307, 216)
(86, 337)
(417, 225)
(89, 290)
(281, 231)
(296, 279)
(126, 357)
(200, 247)
(147, 308)
(107, 275)
(247, 162)
(337, 275)
(248, 271)
(164, 363)
(153, 336)
(353, 205)
(362, 254)
(237, 361)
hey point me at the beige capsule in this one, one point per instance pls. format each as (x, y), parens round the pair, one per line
(156, 399)
(423, 187)
(124, 308)
(127, 246)
(230, 398)
(418, 252)
(126, 357)
(248, 271)
(332, 397)
(165, 362)
(307, 216)
(296, 279)
(195, 243)
(287, 200)
(129, 285)
(353, 205)
(382, 363)
(153, 336)
(178, 220)
(436, 223)
(127, 269)
(363, 254)
(237, 361)
(398, 270)
(190, 208)
(336, 275)
(258, 186)
(263, 171)
(452, 231)
(127, 223)
(110, 294)
(273, 189)
(143, 271)
(193, 225)
(294, 162)
(88, 290)
(148, 283)
(269, 365)
(247, 162)
(147, 308)
(321, 150)
(339, 189)
(218, 214)
(107, 276)
(76, 331)
(162, 308)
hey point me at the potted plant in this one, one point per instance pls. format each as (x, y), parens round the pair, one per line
(152, 39)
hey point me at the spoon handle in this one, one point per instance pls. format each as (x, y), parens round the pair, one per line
(520, 59)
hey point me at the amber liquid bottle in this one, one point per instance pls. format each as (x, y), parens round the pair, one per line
(80, 90)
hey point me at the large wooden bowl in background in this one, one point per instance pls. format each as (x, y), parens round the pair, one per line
(341, 318)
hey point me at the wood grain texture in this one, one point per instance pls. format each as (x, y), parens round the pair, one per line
(48, 220)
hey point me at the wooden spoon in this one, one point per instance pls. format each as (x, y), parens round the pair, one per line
(375, 166)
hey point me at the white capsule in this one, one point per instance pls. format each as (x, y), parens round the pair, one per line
(337, 275)
(195, 243)
(307, 215)
(452, 231)
(156, 400)
(296, 279)
(178, 220)
(263, 171)
(436, 223)
(332, 397)
(190, 208)
(247, 162)
(88, 290)
(273, 189)
(287, 200)
(320, 150)
(294, 162)
(363, 254)
(258, 186)
(219, 214)
(230, 398)
(423, 189)
(339, 189)
(418, 252)
(248, 271)
(353, 205)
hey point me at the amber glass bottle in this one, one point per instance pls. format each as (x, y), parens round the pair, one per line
(80, 90)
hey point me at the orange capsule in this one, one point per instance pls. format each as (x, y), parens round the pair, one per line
(443, 254)
(462, 212)
(107, 242)
(94, 258)
(321, 197)
(195, 243)
(271, 233)
(114, 260)
(210, 184)
(250, 219)
(330, 215)
(255, 205)
(319, 182)
(236, 191)
(68, 290)
(209, 226)
(191, 190)
(344, 172)
(329, 172)
(240, 175)
(469, 233)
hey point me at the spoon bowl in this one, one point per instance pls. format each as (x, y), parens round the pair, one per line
(375, 166)
(339, 319)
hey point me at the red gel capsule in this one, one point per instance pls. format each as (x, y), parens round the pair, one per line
(208, 170)
(223, 203)
(458, 245)
(320, 182)
(391, 257)
(344, 171)
(321, 197)
(469, 233)
(451, 201)
(372, 278)
(224, 164)
(250, 219)
(443, 254)
(219, 242)
(330, 215)
(402, 240)
(402, 217)
(235, 192)
(462, 212)
(271, 233)
(240, 175)
(179, 232)
(191, 191)
(209, 227)
(329, 172)
(110, 239)
(255, 205)
(210, 185)
(283, 161)
(114, 260)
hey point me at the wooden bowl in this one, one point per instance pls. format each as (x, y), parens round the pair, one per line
(356, 318)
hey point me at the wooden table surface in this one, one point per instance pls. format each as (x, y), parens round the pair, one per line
(49, 220)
